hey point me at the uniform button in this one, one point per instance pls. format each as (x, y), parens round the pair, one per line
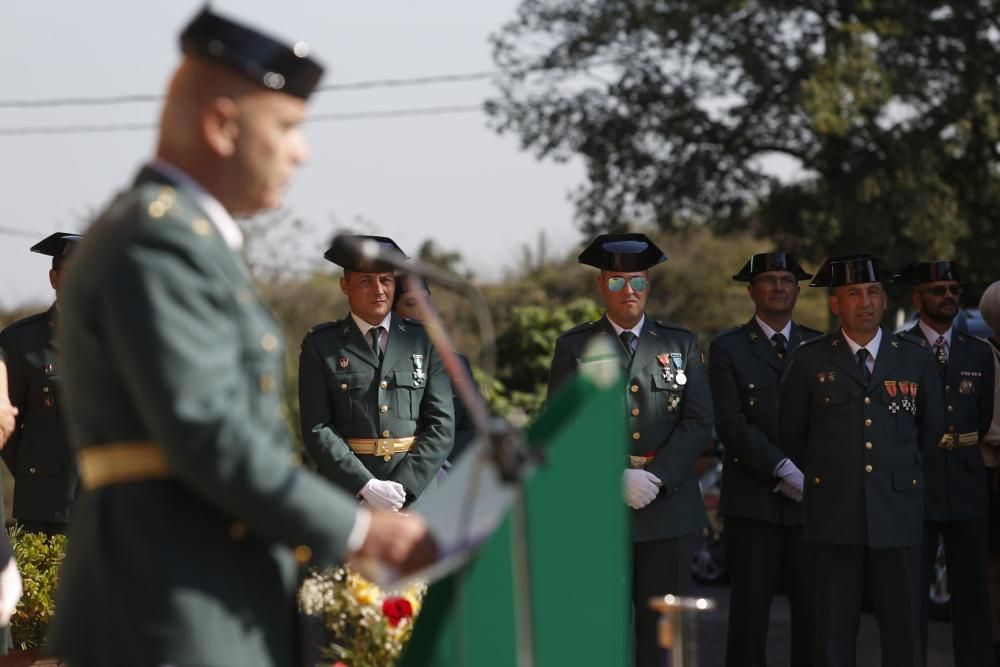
(868, 468)
(386, 434)
(868, 422)
(673, 386)
(45, 390)
(826, 399)
(383, 384)
(303, 554)
(343, 387)
(868, 445)
(868, 401)
(951, 429)
(267, 383)
(947, 387)
(750, 386)
(33, 470)
(816, 480)
(237, 530)
(736, 459)
(635, 412)
(268, 342)
(951, 408)
(634, 388)
(635, 436)
(201, 226)
(384, 409)
(914, 482)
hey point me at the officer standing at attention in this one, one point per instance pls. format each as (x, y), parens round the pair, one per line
(957, 497)
(37, 452)
(375, 402)
(761, 487)
(670, 422)
(186, 543)
(858, 409)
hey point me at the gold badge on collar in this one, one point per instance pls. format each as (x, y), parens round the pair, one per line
(754, 336)
(343, 362)
(895, 343)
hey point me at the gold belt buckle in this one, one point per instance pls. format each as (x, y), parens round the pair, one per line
(950, 441)
(637, 462)
(384, 448)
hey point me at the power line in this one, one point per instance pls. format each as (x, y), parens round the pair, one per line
(114, 128)
(23, 233)
(139, 98)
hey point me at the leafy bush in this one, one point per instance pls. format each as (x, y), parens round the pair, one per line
(38, 558)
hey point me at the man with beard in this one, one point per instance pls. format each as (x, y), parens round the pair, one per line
(857, 410)
(957, 505)
(375, 402)
(670, 420)
(761, 486)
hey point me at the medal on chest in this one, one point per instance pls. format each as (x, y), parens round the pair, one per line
(418, 369)
(668, 373)
(679, 376)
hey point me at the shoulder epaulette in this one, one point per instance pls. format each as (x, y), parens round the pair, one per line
(160, 201)
(915, 340)
(586, 326)
(731, 330)
(321, 327)
(812, 341)
(810, 329)
(671, 325)
(407, 320)
(26, 320)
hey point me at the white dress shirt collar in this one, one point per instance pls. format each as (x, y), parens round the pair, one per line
(217, 213)
(365, 326)
(637, 329)
(769, 332)
(932, 335)
(872, 346)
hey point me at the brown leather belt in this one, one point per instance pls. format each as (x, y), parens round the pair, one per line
(384, 447)
(121, 462)
(951, 441)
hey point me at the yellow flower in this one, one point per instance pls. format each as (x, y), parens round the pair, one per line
(364, 592)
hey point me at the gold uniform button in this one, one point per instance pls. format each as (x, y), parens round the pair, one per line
(201, 226)
(237, 530)
(634, 388)
(914, 482)
(947, 387)
(386, 434)
(736, 459)
(45, 390)
(951, 408)
(267, 383)
(868, 445)
(384, 409)
(635, 412)
(750, 386)
(383, 384)
(343, 387)
(868, 422)
(635, 436)
(868, 468)
(816, 480)
(303, 554)
(868, 401)
(826, 399)
(33, 470)
(268, 342)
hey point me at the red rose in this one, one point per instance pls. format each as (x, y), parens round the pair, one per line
(396, 609)
(339, 664)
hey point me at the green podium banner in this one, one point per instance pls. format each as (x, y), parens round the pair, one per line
(573, 605)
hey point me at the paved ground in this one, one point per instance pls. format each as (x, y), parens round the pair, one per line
(712, 636)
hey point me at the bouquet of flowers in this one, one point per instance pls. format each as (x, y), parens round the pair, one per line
(366, 627)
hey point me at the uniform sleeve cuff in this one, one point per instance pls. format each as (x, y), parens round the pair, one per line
(362, 521)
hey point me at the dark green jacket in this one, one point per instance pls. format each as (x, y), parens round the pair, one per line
(164, 339)
(345, 393)
(670, 421)
(859, 445)
(745, 371)
(38, 452)
(957, 488)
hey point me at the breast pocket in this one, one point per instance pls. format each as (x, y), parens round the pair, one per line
(666, 396)
(348, 396)
(757, 396)
(409, 393)
(831, 410)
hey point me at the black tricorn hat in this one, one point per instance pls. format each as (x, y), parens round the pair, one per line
(771, 261)
(57, 246)
(622, 252)
(263, 59)
(360, 252)
(851, 270)
(926, 272)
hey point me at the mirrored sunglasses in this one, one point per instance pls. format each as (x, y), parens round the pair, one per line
(617, 283)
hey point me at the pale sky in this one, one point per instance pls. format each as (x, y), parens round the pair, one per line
(449, 178)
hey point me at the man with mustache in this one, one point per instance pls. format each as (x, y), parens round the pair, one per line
(761, 486)
(670, 422)
(957, 504)
(858, 410)
(375, 402)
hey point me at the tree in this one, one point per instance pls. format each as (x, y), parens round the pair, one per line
(888, 114)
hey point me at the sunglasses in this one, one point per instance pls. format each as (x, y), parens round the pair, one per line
(940, 290)
(617, 283)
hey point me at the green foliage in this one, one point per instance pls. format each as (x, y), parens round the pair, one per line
(38, 558)
(885, 117)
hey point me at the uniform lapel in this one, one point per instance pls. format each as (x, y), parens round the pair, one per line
(354, 342)
(645, 350)
(842, 357)
(887, 359)
(396, 345)
(956, 356)
(50, 327)
(604, 328)
(761, 346)
(795, 339)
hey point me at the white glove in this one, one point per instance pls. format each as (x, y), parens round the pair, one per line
(790, 479)
(385, 496)
(10, 591)
(641, 487)
(789, 491)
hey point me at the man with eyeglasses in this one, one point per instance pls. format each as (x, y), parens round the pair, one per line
(375, 402)
(670, 422)
(957, 505)
(856, 410)
(761, 487)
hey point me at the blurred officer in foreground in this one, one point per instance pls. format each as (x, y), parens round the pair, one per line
(670, 422)
(375, 402)
(405, 306)
(186, 543)
(858, 409)
(761, 486)
(38, 452)
(989, 306)
(957, 498)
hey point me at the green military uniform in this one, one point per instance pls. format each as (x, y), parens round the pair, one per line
(345, 393)
(38, 452)
(957, 495)
(763, 538)
(186, 544)
(860, 445)
(669, 405)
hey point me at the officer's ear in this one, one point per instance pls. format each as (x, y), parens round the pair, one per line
(54, 278)
(220, 125)
(915, 298)
(834, 304)
(344, 282)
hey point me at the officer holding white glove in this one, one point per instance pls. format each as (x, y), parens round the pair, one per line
(383, 495)
(790, 480)
(669, 417)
